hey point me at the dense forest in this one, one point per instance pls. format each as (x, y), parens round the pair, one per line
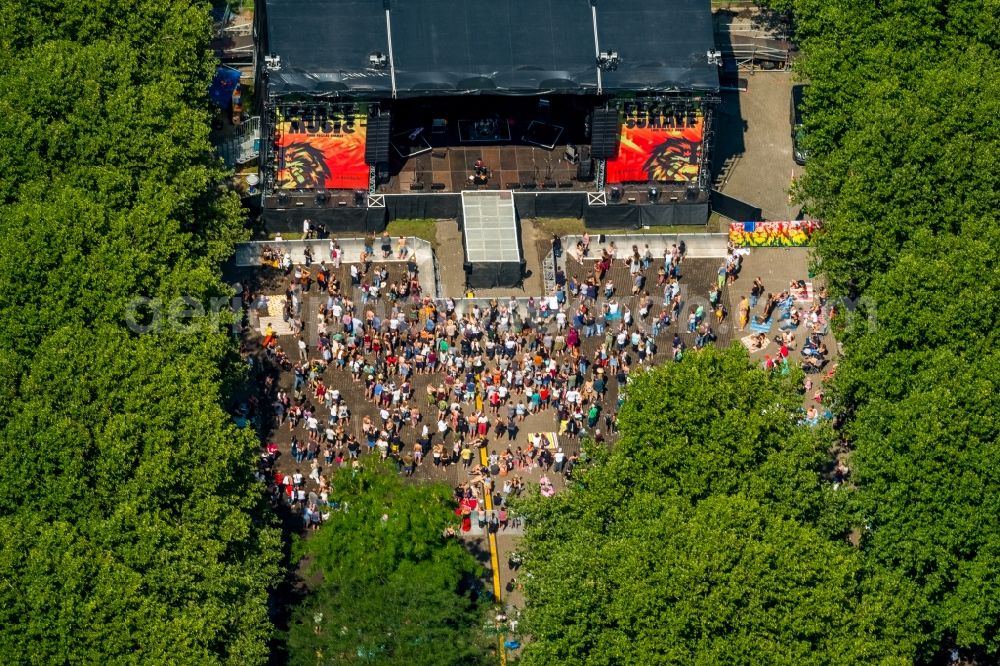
(130, 519)
(903, 112)
(710, 535)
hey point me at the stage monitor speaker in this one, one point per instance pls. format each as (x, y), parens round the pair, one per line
(377, 141)
(604, 134)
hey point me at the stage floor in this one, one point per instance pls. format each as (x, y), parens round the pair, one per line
(453, 166)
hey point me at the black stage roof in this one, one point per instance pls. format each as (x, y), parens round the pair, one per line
(520, 47)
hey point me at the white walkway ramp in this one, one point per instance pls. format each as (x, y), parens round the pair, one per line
(492, 243)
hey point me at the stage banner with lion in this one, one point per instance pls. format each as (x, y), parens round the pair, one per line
(322, 154)
(772, 234)
(652, 152)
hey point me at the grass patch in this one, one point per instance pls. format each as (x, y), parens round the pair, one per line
(565, 226)
(562, 226)
(425, 229)
(670, 229)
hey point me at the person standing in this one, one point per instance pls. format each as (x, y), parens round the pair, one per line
(744, 312)
(560, 460)
(756, 291)
(336, 255)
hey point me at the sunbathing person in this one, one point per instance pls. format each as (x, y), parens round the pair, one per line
(812, 364)
(792, 322)
(546, 487)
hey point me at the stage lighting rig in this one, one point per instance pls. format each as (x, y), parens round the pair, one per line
(608, 60)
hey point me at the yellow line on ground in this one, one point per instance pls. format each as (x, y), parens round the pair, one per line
(494, 558)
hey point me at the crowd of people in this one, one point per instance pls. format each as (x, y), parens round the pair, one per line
(443, 382)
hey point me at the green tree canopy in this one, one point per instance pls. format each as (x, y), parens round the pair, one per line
(696, 541)
(393, 588)
(902, 109)
(132, 527)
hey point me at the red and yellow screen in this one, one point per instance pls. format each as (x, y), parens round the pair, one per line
(322, 155)
(665, 154)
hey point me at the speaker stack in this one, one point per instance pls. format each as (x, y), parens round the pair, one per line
(585, 167)
(377, 141)
(604, 134)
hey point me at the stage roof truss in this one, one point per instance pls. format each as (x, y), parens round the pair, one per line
(415, 48)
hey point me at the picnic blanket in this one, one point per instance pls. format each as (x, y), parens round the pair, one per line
(748, 343)
(806, 297)
(761, 328)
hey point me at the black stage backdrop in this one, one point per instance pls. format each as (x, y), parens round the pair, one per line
(734, 209)
(638, 215)
(541, 204)
(492, 274)
(336, 219)
(423, 206)
(448, 206)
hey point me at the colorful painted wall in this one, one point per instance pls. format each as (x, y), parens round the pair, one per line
(772, 234)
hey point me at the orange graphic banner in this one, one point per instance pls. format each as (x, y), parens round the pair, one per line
(657, 153)
(327, 154)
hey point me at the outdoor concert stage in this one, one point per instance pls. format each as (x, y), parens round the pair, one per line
(594, 109)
